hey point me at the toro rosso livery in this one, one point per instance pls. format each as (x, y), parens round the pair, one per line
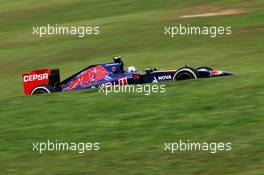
(48, 81)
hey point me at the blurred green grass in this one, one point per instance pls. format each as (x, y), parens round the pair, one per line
(131, 127)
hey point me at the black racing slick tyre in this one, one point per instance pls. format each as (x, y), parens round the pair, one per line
(185, 73)
(43, 89)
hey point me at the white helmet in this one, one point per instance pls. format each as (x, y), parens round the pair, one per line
(131, 69)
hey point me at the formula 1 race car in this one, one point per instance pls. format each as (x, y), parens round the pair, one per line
(48, 81)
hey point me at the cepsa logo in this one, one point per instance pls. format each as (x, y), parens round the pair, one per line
(34, 77)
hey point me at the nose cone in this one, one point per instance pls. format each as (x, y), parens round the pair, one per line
(206, 72)
(227, 73)
(214, 73)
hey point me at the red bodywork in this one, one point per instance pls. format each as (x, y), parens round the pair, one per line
(35, 78)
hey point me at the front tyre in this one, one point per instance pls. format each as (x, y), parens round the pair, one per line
(185, 73)
(43, 89)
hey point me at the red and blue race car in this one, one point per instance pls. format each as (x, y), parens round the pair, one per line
(113, 73)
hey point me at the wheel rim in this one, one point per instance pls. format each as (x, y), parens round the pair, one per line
(185, 76)
(40, 91)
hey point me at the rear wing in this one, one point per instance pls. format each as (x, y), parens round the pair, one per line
(35, 78)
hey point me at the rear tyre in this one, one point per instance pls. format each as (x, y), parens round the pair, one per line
(44, 89)
(185, 73)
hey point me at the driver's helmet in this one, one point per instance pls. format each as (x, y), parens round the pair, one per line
(131, 69)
